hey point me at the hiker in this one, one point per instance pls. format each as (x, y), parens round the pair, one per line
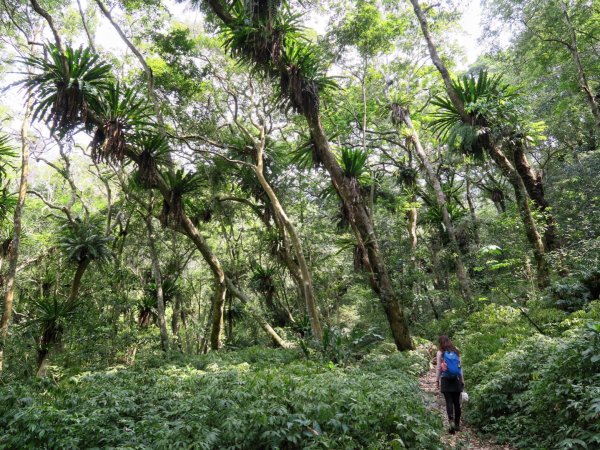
(450, 380)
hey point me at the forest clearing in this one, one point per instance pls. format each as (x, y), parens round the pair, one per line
(278, 224)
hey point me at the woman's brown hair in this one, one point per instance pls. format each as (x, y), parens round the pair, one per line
(446, 345)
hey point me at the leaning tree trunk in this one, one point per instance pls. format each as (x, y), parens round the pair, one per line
(221, 280)
(495, 152)
(591, 98)
(522, 199)
(305, 276)
(535, 189)
(160, 298)
(306, 99)
(215, 266)
(461, 272)
(13, 253)
(362, 224)
(76, 284)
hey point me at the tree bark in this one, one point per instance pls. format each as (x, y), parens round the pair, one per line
(535, 189)
(305, 276)
(76, 284)
(522, 200)
(351, 197)
(472, 210)
(583, 80)
(362, 225)
(217, 317)
(495, 153)
(160, 298)
(13, 255)
(461, 272)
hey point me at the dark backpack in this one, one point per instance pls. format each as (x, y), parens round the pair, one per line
(451, 365)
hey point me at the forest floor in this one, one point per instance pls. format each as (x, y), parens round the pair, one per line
(467, 438)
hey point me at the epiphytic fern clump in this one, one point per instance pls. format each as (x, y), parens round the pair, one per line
(67, 86)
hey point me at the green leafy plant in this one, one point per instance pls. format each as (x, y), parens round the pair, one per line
(122, 112)
(84, 240)
(67, 87)
(255, 398)
(7, 153)
(545, 383)
(180, 183)
(152, 151)
(353, 162)
(487, 101)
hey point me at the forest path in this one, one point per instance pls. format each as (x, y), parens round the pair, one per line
(466, 438)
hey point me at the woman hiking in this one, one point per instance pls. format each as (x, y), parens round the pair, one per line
(450, 380)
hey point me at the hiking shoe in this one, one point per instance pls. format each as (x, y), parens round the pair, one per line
(456, 428)
(452, 430)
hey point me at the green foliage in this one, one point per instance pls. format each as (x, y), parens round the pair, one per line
(123, 112)
(368, 29)
(67, 86)
(257, 399)
(487, 100)
(353, 162)
(544, 384)
(6, 154)
(84, 240)
(342, 347)
(575, 292)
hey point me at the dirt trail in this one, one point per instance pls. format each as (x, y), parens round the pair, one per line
(466, 438)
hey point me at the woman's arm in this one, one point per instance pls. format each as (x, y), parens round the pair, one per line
(462, 373)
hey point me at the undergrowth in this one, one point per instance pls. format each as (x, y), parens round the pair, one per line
(532, 390)
(249, 399)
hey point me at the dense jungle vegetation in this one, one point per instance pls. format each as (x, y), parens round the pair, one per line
(243, 224)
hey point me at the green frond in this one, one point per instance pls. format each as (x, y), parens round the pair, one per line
(152, 150)
(486, 99)
(305, 156)
(179, 183)
(84, 239)
(8, 203)
(63, 99)
(7, 153)
(122, 112)
(353, 162)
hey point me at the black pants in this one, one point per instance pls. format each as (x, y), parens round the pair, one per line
(453, 406)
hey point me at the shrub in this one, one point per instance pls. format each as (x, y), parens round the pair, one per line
(545, 394)
(238, 400)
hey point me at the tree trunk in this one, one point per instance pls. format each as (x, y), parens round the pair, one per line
(305, 276)
(535, 189)
(472, 211)
(42, 362)
(362, 225)
(76, 284)
(160, 298)
(350, 195)
(495, 153)
(412, 216)
(522, 200)
(203, 347)
(177, 313)
(13, 254)
(583, 80)
(461, 272)
(221, 279)
(50, 338)
(217, 317)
